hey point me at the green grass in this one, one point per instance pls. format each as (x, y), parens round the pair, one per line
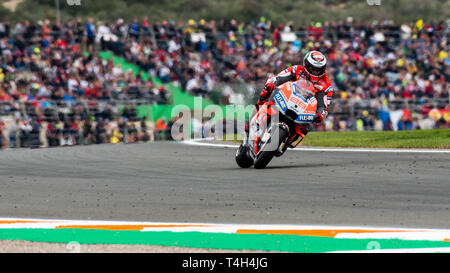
(438, 139)
(431, 139)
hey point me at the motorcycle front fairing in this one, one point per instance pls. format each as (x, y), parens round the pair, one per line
(297, 102)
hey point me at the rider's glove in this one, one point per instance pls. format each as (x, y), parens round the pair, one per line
(319, 117)
(270, 86)
(265, 93)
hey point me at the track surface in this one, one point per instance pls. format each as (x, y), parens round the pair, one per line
(175, 182)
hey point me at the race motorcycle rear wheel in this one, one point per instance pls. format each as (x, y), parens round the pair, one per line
(270, 147)
(242, 157)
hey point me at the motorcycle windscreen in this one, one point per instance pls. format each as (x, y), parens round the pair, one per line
(304, 89)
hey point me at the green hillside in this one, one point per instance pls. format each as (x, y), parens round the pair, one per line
(279, 11)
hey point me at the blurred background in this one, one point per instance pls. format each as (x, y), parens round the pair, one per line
(83, 72)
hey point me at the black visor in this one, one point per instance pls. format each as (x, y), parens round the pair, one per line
(315, 71)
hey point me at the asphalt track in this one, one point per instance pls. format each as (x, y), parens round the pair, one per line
(175, 182)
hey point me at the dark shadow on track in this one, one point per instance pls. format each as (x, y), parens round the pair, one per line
(310, 165)
(299, 166)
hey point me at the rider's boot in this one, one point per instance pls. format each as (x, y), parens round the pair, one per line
(291, 140)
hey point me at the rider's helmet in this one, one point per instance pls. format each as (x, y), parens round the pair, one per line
(314, 65)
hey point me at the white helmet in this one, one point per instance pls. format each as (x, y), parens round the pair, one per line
(315, 64)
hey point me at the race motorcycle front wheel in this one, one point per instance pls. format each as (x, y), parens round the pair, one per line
(270, 146)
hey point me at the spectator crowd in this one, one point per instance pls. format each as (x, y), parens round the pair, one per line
(53, 82)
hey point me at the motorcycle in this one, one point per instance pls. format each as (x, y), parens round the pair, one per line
(272, 130)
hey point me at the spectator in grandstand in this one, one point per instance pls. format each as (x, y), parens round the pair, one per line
(100, 132)
(90, 34)
(88, 131)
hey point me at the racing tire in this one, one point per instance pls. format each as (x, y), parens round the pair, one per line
(269, 149)
(242, 158)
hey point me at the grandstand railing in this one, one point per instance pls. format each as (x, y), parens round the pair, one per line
(331, 33)
(26, 109)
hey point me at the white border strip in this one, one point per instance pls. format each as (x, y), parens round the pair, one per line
(400, 250)
(429, 235)
(396, 232)
(200, 142)
(57, 222)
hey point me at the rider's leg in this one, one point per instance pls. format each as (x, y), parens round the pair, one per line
(246, 126)
(300, 131)
(255, 110)
(263, 96)
(261, 121)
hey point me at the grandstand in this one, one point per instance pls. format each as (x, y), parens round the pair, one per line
(84, 81)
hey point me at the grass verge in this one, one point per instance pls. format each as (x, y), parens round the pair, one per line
(430, 139)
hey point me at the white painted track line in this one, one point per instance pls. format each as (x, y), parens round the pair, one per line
(201, 142)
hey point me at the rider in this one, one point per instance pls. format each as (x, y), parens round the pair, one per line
(313, 70)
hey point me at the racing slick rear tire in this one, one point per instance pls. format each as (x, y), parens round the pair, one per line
(242, 158)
